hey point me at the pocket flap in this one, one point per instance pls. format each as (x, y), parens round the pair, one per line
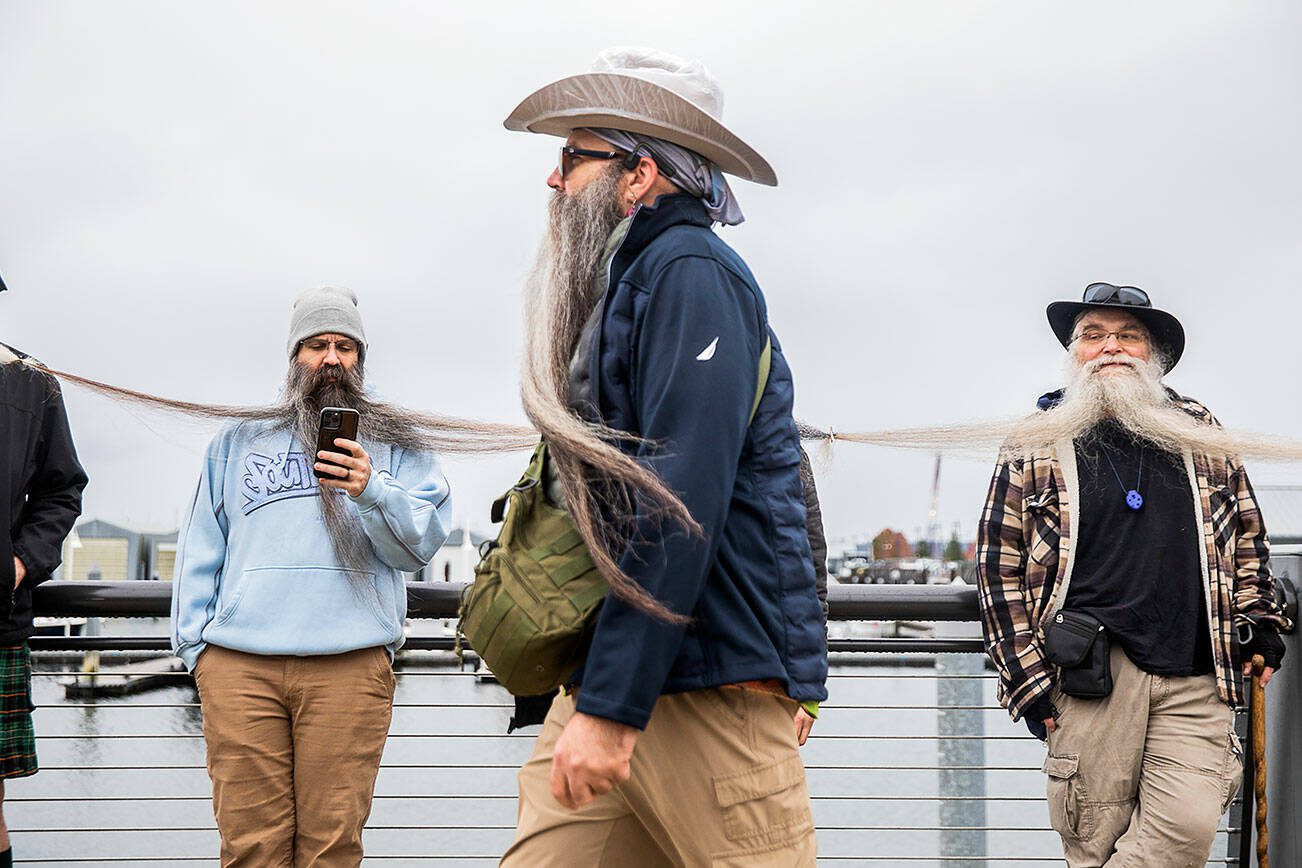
(1069, 640)
(1063, 767)
(758, 782)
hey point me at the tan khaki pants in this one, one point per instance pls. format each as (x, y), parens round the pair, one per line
(1141, 778)
(716, 781)
(294, 746)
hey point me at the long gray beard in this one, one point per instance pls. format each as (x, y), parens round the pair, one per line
(601, 485)
(560, 291)
(305, 393)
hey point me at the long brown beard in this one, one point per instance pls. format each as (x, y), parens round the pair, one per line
(306, 392)
(298, 411)
(604, 488)
(413, 429)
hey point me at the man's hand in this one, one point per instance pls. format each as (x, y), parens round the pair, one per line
(20, 573)
(1050, 724)
(590, 759)
(1265, 673)
(804, 723)
(355, 472)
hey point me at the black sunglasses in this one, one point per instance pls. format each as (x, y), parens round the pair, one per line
(569, 153)
(1105, 293)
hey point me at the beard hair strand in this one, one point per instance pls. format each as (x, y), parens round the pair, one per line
(603, 487)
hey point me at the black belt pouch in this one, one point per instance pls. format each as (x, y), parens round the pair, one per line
(1080, 646)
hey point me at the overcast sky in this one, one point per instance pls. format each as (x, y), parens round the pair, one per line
(172, 174)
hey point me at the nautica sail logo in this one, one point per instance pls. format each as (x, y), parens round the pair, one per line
(708, 352)
(267, 480)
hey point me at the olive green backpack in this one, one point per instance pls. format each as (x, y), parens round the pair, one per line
(532, 606)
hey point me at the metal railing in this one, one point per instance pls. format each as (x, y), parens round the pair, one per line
(911, 763)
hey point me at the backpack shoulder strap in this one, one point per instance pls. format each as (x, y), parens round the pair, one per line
(765, 362)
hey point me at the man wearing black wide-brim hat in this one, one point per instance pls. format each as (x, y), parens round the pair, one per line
(1120, 554)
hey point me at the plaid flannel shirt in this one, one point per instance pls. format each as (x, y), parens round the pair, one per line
(1024, 562)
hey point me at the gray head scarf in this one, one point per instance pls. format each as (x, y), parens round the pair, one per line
(694, 174)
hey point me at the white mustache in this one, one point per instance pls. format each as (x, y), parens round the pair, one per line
(1095, 365)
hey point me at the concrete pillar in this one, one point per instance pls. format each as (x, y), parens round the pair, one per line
(961, 760)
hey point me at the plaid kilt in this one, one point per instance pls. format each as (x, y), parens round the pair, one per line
(17, 737)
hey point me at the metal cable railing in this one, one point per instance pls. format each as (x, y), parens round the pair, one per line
(123, 780)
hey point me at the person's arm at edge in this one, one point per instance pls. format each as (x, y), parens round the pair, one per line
(53, 496)
(1001, 569)
(200, 555)
(1254, 594)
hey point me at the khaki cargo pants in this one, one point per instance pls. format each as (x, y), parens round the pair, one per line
(716, 781)
(294, 746)
(1141, 778)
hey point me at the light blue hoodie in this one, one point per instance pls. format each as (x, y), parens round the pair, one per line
(255, 570)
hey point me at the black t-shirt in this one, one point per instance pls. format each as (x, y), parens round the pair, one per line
(1138, 571)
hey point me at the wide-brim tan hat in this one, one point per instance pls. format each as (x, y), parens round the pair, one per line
(642, 90)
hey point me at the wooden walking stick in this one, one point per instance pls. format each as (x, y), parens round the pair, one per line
(1258, 724)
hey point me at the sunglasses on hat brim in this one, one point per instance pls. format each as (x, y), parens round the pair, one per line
(1106, 293)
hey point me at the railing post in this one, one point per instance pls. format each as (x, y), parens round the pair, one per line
(90, 659)
(961, 760)
(1284, 735)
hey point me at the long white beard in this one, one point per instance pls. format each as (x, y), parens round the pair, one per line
(1123, 390)
(1132, 397)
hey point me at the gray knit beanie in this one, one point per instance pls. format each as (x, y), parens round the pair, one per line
(322, 310)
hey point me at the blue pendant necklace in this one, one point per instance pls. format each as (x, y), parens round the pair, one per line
(1134, 499)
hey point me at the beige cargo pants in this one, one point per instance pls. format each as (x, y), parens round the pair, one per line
(1141, 778)
(717, 781)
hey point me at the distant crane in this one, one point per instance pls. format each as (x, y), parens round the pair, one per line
(933, 514)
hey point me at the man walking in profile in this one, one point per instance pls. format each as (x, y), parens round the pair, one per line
(676, 742)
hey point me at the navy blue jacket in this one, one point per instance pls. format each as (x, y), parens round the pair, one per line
(675, 359)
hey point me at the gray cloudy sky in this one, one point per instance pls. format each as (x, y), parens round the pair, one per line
(172, 174)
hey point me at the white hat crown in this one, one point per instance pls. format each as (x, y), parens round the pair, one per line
(687, 78)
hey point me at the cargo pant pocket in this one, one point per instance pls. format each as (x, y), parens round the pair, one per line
(766, 804)
(1232, 774)
(1070, 812)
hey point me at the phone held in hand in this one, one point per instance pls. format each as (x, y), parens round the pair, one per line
(336, 422)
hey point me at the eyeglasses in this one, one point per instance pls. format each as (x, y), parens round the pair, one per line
(1102, 293)
(570, 154)
(320, 345)
(1126, 337)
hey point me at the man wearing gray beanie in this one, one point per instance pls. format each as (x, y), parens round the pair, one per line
(326, 309)
(289, 597)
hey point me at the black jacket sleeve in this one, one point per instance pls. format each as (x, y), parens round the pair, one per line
(697, 366)
(53, 494)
